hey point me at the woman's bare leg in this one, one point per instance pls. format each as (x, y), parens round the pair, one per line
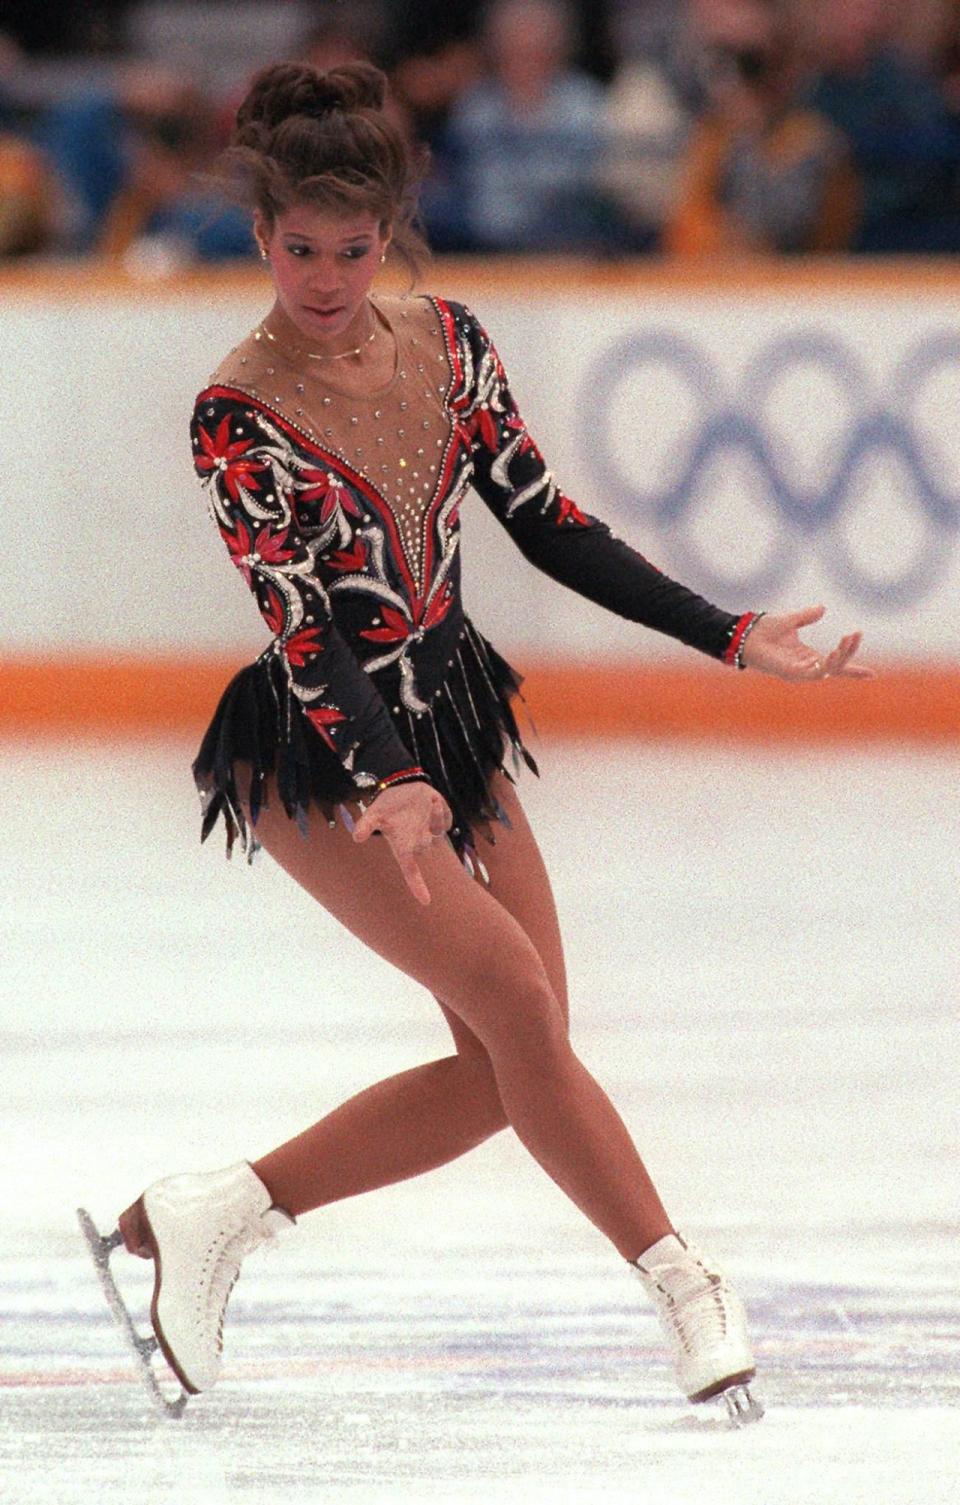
(476, 957)
(429, 1115)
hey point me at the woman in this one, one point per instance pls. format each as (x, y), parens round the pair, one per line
(337, 442)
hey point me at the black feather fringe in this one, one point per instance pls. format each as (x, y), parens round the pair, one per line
(459, 742)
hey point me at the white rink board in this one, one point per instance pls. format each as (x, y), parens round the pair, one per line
(769, 450)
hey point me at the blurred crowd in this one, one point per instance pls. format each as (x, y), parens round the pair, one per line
(606, 127)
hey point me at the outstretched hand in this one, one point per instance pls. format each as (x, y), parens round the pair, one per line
(411, 817)
(774, 646)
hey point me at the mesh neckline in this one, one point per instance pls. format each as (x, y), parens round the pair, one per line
(359, 396)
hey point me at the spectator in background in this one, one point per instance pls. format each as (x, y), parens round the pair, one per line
(339, 35)
(338, 39)
(927, 34)
(427, 84)
(27, 200)
(431, 82)
(892, 112)
(522, 145)
(762, 172)
(949, 62)
(924, 32)
(67, 26)
(647, 114)
(127, 156)
(662, 88)
(355, 35)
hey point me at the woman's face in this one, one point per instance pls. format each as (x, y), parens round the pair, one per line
(323, 265)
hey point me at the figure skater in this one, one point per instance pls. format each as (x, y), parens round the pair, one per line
(337, 443)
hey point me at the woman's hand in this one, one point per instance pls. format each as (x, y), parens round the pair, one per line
(412, 817)
(773, 645)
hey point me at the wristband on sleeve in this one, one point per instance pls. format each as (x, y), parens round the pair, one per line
(413, 775)
(741, 631)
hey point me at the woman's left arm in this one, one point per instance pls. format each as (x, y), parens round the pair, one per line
(580, 551)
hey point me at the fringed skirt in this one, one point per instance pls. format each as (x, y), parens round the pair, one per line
(465, 736)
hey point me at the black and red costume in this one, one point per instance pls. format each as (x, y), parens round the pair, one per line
(374, 673)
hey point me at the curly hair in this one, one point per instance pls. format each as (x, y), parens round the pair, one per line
(324, 139)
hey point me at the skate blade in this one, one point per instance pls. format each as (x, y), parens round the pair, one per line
(101, 1247)
(742, 1407)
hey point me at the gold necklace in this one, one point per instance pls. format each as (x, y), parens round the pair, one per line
(311, 356)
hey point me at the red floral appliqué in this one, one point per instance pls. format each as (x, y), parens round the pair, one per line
(228, 458)
(395, 627)
(273, 612)
(482, 425)
(301, 644)
(438, 607)
(527, 447)
(323, 717)
(569, 512)
(327, 488)
(353, 559)
(268, 546)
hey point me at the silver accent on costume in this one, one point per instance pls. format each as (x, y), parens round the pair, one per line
(408, 685)
(466, 686)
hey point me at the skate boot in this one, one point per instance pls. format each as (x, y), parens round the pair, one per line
(197, 1229)
(705, 1323)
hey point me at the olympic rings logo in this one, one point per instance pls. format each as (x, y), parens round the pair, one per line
(724, 431)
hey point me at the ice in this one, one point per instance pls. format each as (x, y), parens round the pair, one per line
(762, 948)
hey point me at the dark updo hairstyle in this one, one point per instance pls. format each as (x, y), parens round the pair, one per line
(324, 139)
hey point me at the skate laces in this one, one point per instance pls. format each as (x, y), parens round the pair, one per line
(694, 1312)
(232, 1243)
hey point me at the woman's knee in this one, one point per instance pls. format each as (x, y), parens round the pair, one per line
(508, 1003)
(469, 1046)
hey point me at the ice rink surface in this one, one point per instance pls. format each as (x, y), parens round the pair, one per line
(763, 951)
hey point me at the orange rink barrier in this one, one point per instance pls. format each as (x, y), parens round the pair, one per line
(152, 696)
(69, 282)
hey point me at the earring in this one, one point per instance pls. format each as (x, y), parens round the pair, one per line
(263, 255)
(383, 258)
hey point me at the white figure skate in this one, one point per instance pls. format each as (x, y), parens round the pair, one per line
(705, 1323)
(197, 1229)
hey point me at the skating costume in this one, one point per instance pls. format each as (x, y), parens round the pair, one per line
(342, 514)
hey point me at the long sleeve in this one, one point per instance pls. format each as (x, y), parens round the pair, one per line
(250, 488)
(569, 545)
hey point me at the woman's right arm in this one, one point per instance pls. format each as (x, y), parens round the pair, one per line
(250, 482)
(250, 485)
